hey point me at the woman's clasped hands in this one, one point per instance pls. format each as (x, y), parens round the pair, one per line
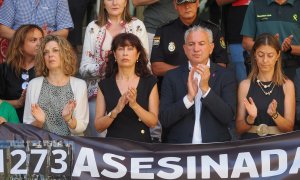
(129, 97)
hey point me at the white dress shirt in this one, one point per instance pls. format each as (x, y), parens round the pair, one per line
(197, 137)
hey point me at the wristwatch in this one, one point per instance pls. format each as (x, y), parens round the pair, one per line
(110, 115)
(275, 115)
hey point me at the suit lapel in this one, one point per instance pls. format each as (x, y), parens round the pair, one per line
(185, 75)
(212, 78)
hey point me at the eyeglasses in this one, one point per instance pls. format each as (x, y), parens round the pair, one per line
(25, 77)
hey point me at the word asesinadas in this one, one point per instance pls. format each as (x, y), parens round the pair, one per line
(172, 168)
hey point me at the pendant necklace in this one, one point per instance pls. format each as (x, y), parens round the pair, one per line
(265, 86)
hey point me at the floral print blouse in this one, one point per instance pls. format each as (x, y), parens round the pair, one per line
(97, 46)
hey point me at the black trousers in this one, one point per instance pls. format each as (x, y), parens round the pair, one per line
(77, 10)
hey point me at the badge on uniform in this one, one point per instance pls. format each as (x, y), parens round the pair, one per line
(222, 43)
(171, 47)
(156, 40)
(295, 17)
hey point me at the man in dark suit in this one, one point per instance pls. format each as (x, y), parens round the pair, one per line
(198, 99)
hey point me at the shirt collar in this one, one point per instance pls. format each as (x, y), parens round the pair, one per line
(196, 21)
(291, 2)
(208, 64)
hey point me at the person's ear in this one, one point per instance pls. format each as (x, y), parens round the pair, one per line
(175, 5)
(114, 54)
(211, 46)
(278, 56)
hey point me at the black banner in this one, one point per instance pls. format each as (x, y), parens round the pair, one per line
(37, 153)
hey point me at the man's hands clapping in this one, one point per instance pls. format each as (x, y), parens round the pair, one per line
(193, 83)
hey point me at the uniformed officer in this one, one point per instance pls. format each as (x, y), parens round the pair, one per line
(280, 18)
(167, 50)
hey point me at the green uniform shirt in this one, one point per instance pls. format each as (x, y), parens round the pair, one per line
(8, 112)
(267, 16)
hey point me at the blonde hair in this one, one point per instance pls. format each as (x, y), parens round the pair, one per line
(15, 53)
(267, 39)
(103, 14)
(66, 53)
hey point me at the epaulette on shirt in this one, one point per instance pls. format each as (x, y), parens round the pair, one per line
(214, 28)
(209, 23)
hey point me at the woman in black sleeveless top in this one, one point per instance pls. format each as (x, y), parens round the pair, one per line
(266, 99)
(18, 70)
(127, 100)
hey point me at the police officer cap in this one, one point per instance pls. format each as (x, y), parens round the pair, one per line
(183, 1)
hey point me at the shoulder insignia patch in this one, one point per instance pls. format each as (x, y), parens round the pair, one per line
(222, 42)
(156, 40)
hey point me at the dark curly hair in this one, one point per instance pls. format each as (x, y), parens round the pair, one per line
(122, 40)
